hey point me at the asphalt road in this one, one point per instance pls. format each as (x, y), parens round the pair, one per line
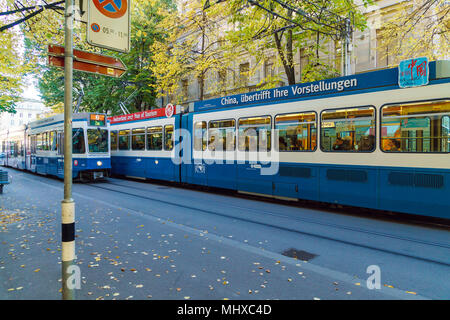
(138, 240)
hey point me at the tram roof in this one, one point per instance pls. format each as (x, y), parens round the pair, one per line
(82, 116)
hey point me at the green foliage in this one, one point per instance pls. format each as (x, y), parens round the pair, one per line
(417, 28)
(308, 25)
(11, 65)
(98, 93)
(193, 50)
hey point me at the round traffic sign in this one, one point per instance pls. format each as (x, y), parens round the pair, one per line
(112, 8)
(95, 27)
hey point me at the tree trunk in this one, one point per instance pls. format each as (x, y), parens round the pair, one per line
(288, 62)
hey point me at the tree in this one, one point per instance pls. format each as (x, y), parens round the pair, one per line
(11, 64)
(418, 28)
(97, 93)
(194, 48)
(290, 25)
(10, 72)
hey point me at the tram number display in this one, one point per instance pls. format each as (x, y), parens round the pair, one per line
(97, 120)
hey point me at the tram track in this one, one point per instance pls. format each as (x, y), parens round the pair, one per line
(312, 221)
(290, 229)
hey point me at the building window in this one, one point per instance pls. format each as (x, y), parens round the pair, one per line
(222, 75)
(244, 70)
(269, 69)
(305, 57)
(184, 88)
(386, 45)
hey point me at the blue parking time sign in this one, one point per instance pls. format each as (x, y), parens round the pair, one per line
(413, 72)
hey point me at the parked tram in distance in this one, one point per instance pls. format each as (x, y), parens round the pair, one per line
(39, 146)
(359, 140)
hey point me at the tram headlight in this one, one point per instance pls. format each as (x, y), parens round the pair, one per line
(99, 163)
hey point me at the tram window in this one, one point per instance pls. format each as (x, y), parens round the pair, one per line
(296, 131)
(168, 137)
(154, 138)
(124, 139)
(16, 148)
(114, 140)
(45, 141)
(138, 139)
(78, 145)
(200, 136)
(61, 143)
(39, 141)
(446, 133)
(254, 134)
(350, 129)
(416, 127)
(221, 135)
(52, 140)
(97, 140)
(33, 144)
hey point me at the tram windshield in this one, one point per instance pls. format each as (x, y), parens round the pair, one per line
(78, 141)
(97, 140)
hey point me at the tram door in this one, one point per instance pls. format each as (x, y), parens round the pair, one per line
(186, 125)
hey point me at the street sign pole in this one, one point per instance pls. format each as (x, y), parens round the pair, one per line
(68, 205)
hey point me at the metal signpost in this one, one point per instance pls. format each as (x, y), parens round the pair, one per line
(68, 205)
(108, 24)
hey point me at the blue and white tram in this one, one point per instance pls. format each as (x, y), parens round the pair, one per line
(12, 147)
(358, 140)
(39, 146)
(142, 145)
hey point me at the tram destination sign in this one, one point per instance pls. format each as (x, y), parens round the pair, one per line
(108, 24)
(143, 115)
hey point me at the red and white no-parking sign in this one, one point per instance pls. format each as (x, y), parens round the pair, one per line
(108, 24)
